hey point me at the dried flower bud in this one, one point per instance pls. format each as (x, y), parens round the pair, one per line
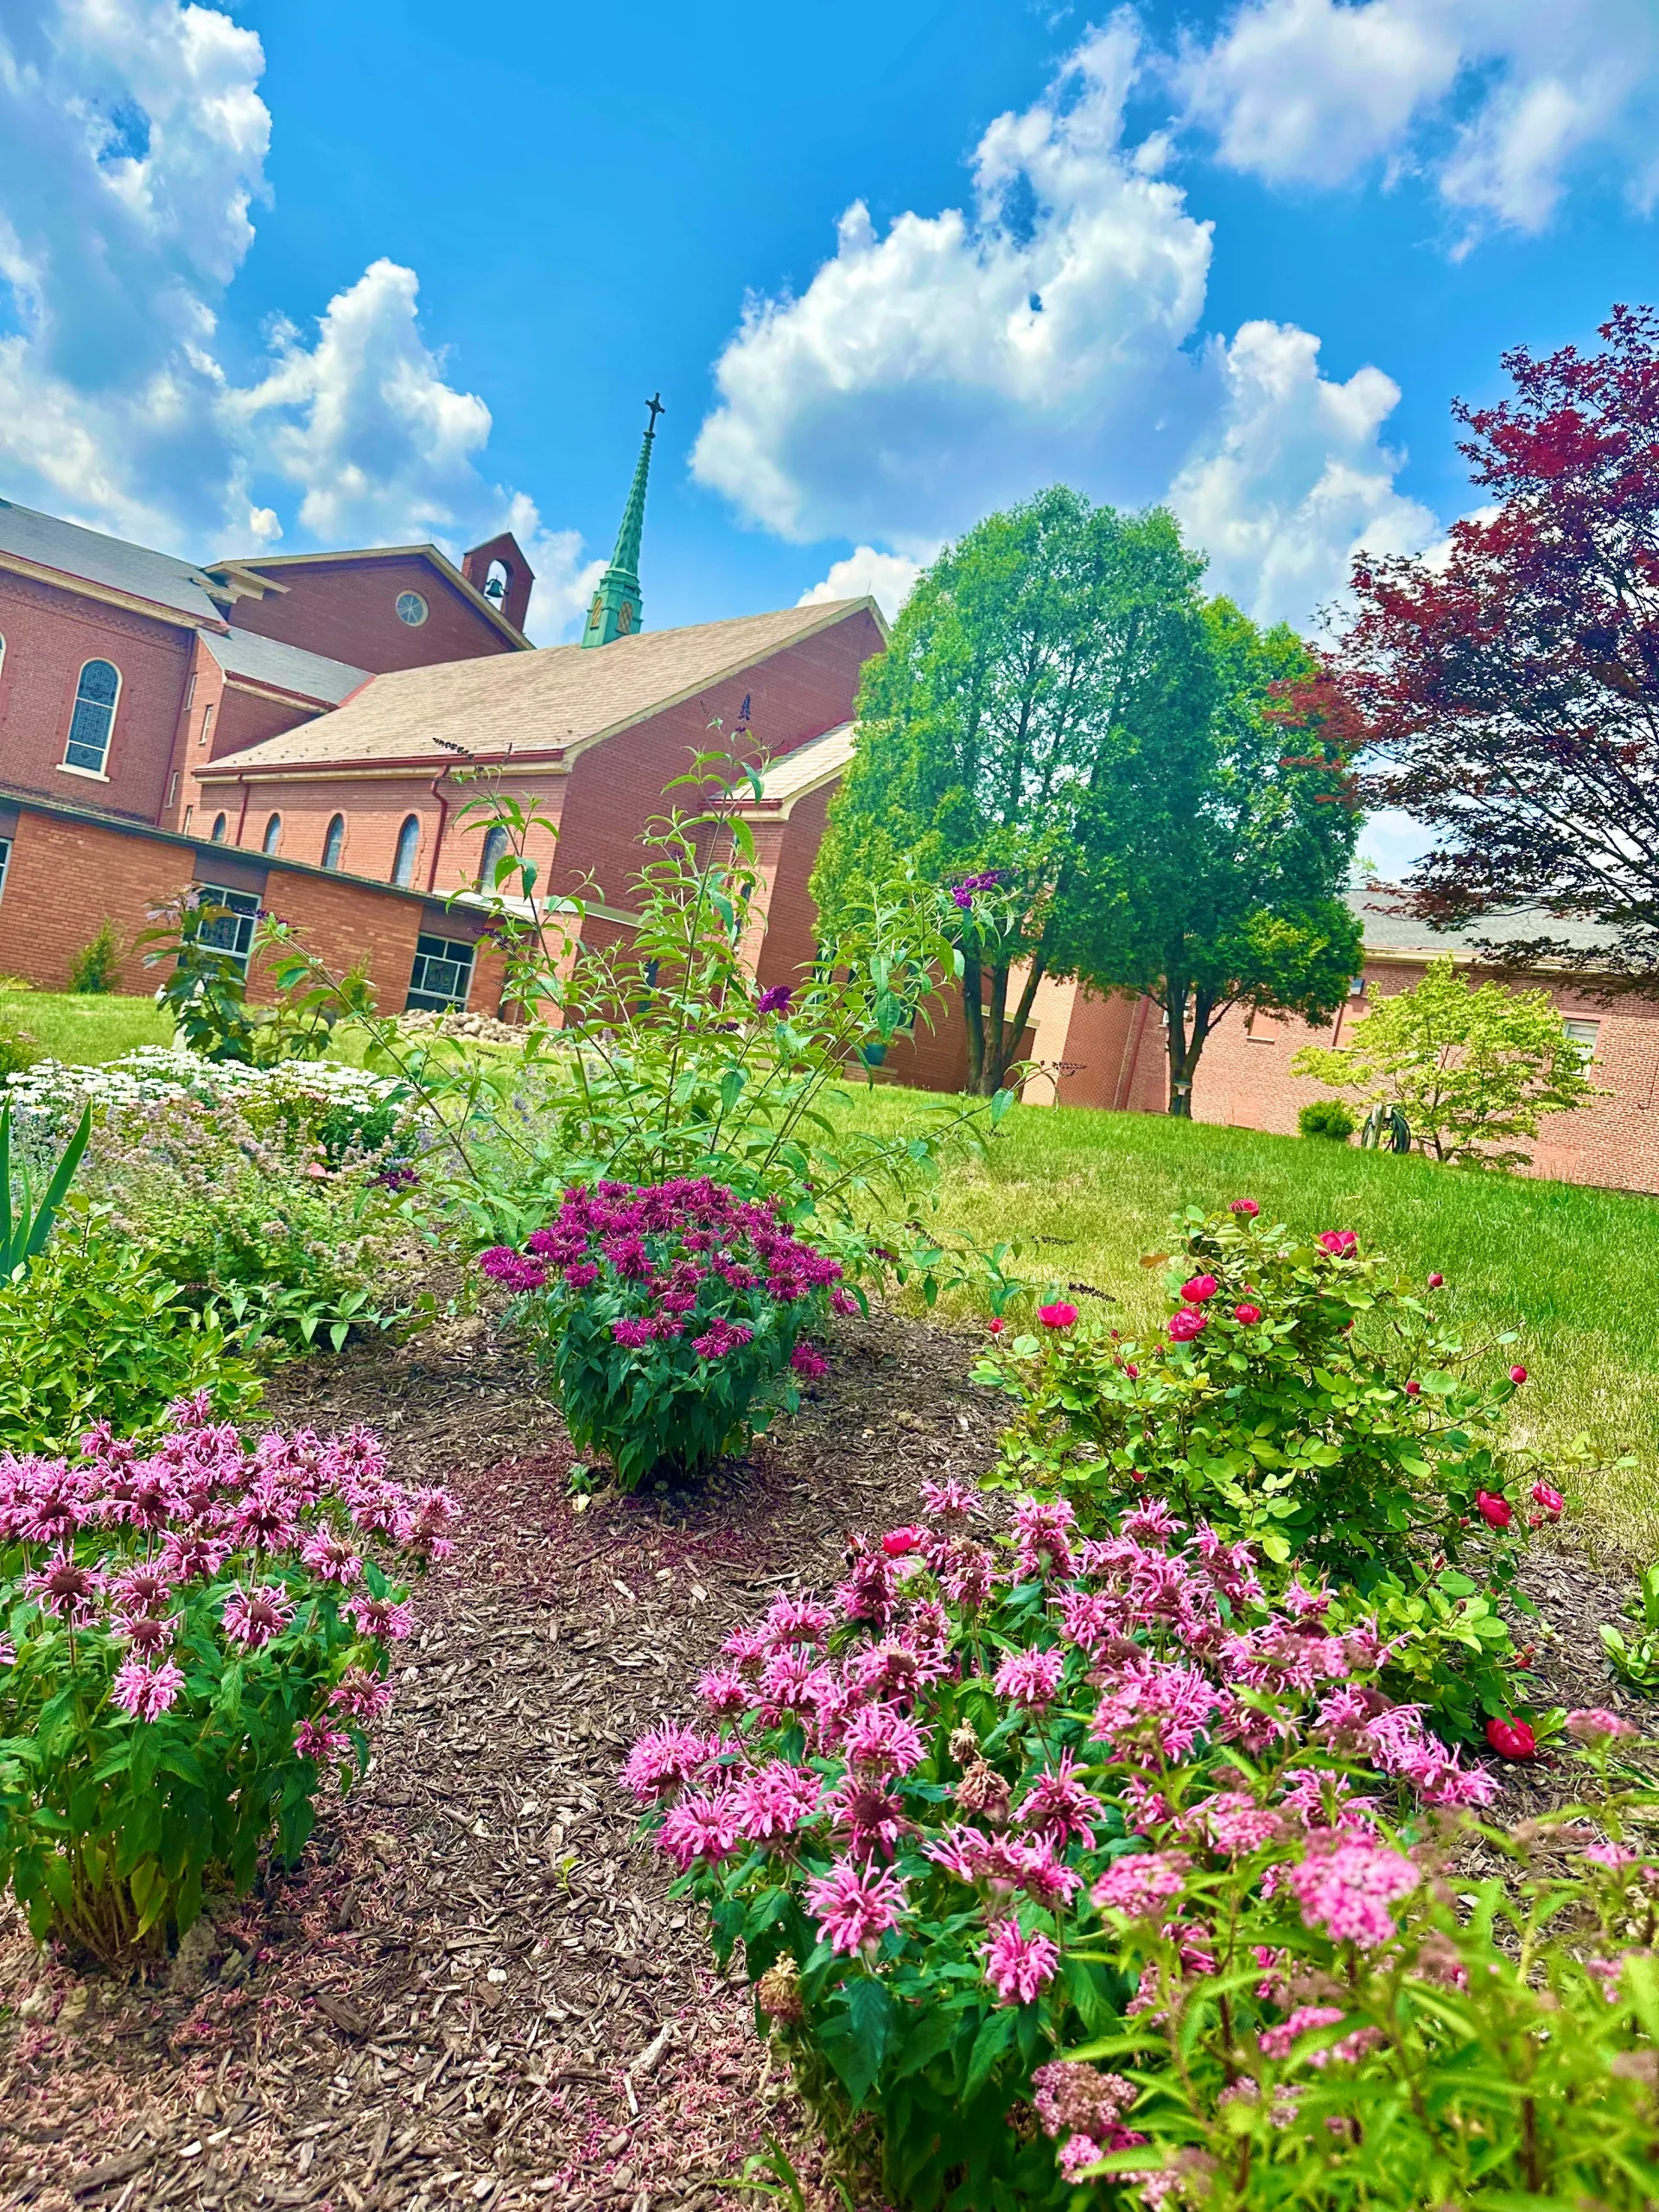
(983, 1790)
(777, 1993)
(965, 1744)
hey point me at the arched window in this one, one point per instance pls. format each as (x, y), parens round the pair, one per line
(216, 835)
(334, 843)
(273, 837)
(2, 656)
(495, 849)
(408, 846)
(94, 717)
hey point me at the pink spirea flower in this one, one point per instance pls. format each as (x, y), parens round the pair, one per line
(1345, 1886)
(856, 1904)
(1341, 1243)
(1199, 1288)
(1069, 2095)
(1595, 1725)
(1060, 1315)
(1496, 1512)
(1611, 1855)
(1276, 2042)
(1186, 1325)
(146, 1688)
(1141, 1885)
(1030, 1678)
(1247, 1315)
(1247, 1207)
(251, 1617)
(665, 1760)
(1019, 1965)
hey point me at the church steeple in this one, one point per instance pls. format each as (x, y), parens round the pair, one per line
(615, 610)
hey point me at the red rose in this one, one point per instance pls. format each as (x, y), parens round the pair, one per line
(1552, 1501)
(1517, 1374)
(1198, 1289)
(998, 1325)
(1496, 1512)
(1247, 1207)
(1058, 1317)
(1434, 1281)
(1413, 1389)
(1511, 1739)
(1339, 1242)
(1186, 1325)
(897, 1542)
(1247, 1314)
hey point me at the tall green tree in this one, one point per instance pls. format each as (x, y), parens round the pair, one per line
(1030, 656)
(1219, 846)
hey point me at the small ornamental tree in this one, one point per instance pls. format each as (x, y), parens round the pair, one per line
(672, 1316)
(197, 1635)
(1471, 1066)
(1512, 689)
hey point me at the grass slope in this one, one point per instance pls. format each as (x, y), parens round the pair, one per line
(1574, 1272)
(84, 1029)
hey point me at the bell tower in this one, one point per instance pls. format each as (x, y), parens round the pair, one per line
(615, 609)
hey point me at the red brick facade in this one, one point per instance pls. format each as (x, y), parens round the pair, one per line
(347, 609)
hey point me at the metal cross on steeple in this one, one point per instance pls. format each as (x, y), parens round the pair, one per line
(655, 404)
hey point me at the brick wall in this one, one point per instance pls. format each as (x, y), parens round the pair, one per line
(347, 610)
(49, 637)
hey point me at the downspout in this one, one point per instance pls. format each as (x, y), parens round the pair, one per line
(1126, 1074)
(443, 817)
(242, 818)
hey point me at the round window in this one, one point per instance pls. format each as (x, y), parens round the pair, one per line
(411, 608)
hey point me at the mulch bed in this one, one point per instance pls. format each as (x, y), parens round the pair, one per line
(475, 1989)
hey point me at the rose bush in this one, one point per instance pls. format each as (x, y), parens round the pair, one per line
(1304, 1398)
(1001, 1793)
(196, 1635)
(672, 1317)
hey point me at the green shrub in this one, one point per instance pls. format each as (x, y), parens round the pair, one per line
(94, 1331)
(18, 1050)
(197, 1642)
(96, 968)
(1327, 1117)
(1004, 1809)
(670, 1317)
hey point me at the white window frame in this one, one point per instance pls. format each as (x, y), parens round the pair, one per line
(401, 882)
(245, 906)
(272, 844)
(433, 953)
(68, 767)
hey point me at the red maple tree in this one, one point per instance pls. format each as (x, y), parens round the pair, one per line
(1512, 687)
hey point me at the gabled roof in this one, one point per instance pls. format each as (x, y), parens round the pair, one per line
(64, 553)
(544, 706)
(808, 768)
(267, 661)
(1392, 932)
(258, 564)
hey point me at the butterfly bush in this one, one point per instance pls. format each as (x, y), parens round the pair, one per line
(1009, 1789)
(197, 1634)
(1304, 1397)
(673, 1317)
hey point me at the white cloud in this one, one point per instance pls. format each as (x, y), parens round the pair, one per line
(1496, 101)
(964, 357)
(1293, 480)
(885, 577)
(132, 145)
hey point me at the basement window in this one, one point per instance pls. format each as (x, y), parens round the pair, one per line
(443, 976)
(231, 931)
(5, 862)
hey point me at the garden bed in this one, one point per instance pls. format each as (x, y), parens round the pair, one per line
(475, 1990)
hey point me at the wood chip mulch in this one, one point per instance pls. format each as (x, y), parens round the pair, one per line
(475, 1990)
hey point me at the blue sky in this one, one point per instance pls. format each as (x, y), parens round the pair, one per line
(282, 272)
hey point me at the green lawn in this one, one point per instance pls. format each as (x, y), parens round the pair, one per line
(1574, 1272)
(67, 1026)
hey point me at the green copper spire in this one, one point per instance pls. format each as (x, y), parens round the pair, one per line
(615, 610)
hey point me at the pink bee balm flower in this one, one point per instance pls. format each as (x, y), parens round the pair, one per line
(1141, 1885)
(631, 1333)
(1019, 1965)
(878, 1738)
(1058, 1807)
(1496, 1512)
(1517, 1374)
(723, 1691)
(65, 1588)
(808, 1360)
(701, 1826)
(1249, 1315)
(856, 1905)
(363, 1695)
(1247, 1207)
(775, 1800)
(251, 1617)
(1511, 1739)
(664, 1759)
(1186, 1325)
(316, 1739)
(1029, 1678)
(1595, 1725)
(1199, 1288)
(1341, 1243)
(147, 1689)
(331, 1555)
(843, 1301)
(1059, 1316)
(387, 1618)
(1613, 1855)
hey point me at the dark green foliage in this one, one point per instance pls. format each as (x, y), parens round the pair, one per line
(1327, 1117)
(96, 968)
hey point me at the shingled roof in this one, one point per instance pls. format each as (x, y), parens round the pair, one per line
(256, 659)
(37, 542)
(541, 706)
